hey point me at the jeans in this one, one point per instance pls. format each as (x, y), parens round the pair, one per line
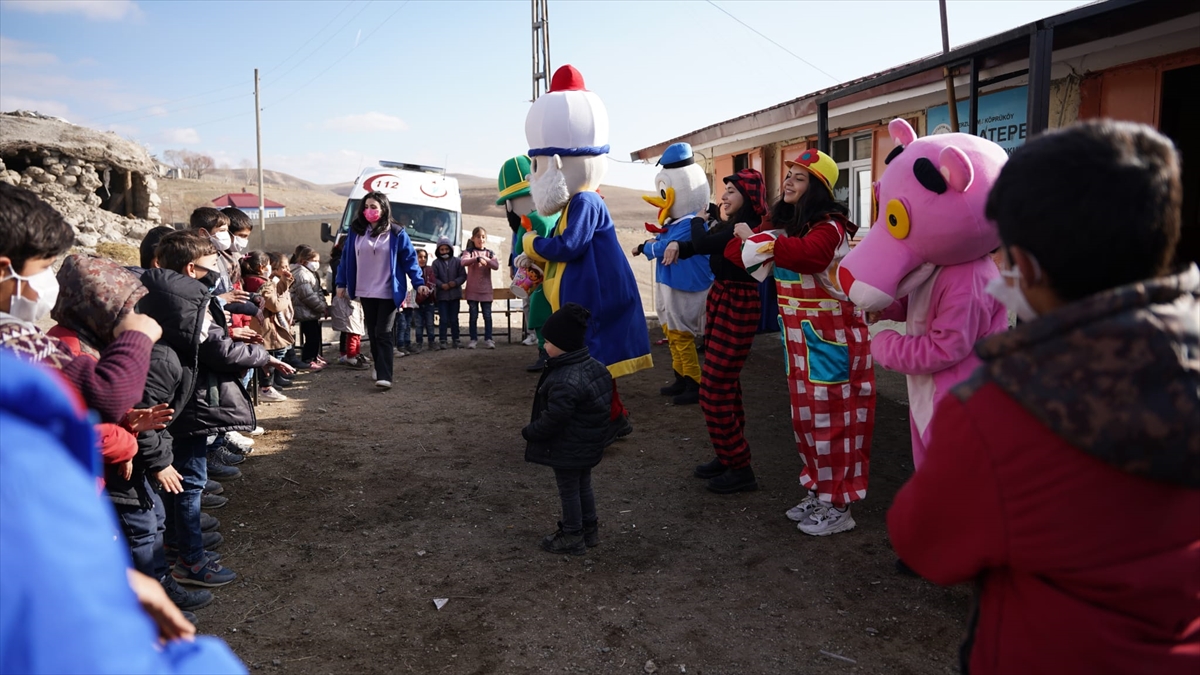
(143, 528)
(423, 321)
(183, 509)
(310, 334)
(265, 374)
(379, 315)
(473, 307)
(578, 502)
(404, 327)
(448, 316)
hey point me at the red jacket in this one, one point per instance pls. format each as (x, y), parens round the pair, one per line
(1089, 559)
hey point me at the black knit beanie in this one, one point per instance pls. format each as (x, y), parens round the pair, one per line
(566, 327)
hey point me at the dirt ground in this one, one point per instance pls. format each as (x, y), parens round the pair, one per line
(360, 507)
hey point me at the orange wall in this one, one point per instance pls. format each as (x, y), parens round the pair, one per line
(1130, 92)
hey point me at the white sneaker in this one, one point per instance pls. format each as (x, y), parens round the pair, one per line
(383, 384)
(471, 344)
(827, 520)
(490, 344)
(530, 339)
(258, 431)
(800, 512)
(269, 394)
(239, 441)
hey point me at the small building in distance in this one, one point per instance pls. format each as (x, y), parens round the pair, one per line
(248, 203)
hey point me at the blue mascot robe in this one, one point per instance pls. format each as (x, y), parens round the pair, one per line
(585, 264)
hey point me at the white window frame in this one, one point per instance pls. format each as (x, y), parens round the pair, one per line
(863, 220)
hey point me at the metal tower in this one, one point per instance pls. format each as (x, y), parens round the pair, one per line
(541, 48)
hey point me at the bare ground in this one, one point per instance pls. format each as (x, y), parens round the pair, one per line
(359, 508)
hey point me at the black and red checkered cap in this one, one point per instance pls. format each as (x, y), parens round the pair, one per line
(750, 183)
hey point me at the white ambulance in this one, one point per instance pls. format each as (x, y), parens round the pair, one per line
(425, 201)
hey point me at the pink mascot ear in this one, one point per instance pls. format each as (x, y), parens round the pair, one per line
(956, 168)
(901, 132)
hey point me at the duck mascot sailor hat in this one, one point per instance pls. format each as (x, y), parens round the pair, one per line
(567, 131)
(681, 287)
(926, 262)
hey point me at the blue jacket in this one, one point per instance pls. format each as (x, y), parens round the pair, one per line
(62, 610)
(692, 274)
(404, 264)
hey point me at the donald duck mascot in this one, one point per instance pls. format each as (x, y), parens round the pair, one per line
(681, 287)
(567, 131)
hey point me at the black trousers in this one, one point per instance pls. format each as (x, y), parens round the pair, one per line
(578, 502)
(310, 335)
(379, 315)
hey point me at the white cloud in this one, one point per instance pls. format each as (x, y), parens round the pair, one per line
(372, 121)
(95, 10)
(44, 106)
(17, 53)
(185, 136)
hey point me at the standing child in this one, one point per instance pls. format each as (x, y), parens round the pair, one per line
(426, 303)
(569, 426)
(271, 321)
(309, 305)
(450, 276)
(404, 318)
(479, 263)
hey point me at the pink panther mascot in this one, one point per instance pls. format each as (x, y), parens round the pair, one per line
(926, 262)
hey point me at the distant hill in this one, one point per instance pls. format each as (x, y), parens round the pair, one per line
(249, 177)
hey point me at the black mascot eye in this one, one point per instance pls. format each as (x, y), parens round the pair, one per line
(663, 193)
(533, 165)
(892, 220)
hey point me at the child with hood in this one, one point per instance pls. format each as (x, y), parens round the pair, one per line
(449, 277)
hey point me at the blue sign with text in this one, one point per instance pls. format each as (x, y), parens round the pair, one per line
(1001, 117)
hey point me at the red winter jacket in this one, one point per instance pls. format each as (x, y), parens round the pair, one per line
(1065, 477)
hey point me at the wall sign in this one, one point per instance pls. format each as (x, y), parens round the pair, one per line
(1001, 117)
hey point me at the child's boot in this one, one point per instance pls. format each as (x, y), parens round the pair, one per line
(591, 534)
(675, 388)
(561, 542)
(537, 366)
(690, 394)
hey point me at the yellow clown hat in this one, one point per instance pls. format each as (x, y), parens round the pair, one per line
(818, 164)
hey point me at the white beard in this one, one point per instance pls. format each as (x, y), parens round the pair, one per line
(549, 191)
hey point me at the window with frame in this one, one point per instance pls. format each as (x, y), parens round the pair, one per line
(853, 188)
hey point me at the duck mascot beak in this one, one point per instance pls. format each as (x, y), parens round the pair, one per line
(664, 200)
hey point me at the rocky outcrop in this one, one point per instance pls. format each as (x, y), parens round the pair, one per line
(102, 184)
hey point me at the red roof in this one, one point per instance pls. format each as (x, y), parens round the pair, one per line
(244, 200)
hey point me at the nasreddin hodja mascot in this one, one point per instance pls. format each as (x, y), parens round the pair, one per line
(567, 131)
(681, 288)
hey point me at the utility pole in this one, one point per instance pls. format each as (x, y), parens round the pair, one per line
(541, 48)
(952, 101)
(262, 218)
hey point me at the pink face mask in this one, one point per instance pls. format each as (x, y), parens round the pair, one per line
(372, 215)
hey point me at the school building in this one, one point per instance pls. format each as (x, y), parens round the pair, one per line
(1134, 60)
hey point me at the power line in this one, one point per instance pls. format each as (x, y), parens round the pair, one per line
(756, 32)
(322, 45)
(314, 36)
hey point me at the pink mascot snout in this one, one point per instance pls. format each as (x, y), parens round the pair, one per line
(926, 261)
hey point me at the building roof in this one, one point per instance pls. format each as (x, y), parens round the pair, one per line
(244, 200)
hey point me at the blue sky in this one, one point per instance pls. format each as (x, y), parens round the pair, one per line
(348, 82)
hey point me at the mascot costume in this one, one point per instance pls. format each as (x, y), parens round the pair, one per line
(513, 186)
(926, 262)
(682, 287)
(567, 131)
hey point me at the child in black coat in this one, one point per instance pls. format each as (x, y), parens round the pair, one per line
(569, 426)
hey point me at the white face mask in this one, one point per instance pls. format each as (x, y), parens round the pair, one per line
(313, 265)
(45, 283)
(240, 244)
(1011, 295)
(267, 273)
(222, 241)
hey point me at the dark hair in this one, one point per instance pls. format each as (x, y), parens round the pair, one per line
(254, 262)
(1097, 203)
(30, 228)
(360, 224)
(471, 241)
(150, 242)
(744, 214)
(177, 249)
(208, 218)
(276, 259)
(238, 220)
(303, 254)
(814, 206)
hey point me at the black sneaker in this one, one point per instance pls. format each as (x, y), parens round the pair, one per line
(190, 617)
(734, 480)
(223, 471)
(183, 598)
(212, 487)
(690, 395)
(591, 534)
(225, 456)
(675, 388)
(561, 542)
(280, 380)
(210, 502)
(540, 364)
(208, 523)
(618, 428)
(711, 470)
(212, 540)
(172, 555)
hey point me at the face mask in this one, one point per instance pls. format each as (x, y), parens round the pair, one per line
(210, 280)
(45, 283)
(372, 215)
(313, 265)
(222, 241)
(267, 272)
(1011, 296)
(444, 256)
(240, 244)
